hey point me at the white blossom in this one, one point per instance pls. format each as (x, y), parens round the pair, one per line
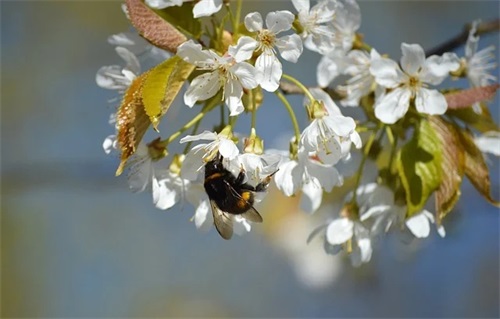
(201, 153)
(228, 73)
(489, 142)
(479, 63)
(115, 77)
(330, 134)
(269, 69)
(343, 229)
(205, 8)
(318, 30)
(308, 174)
(346, 22)
(419, 224)
(331, 65)
(161, 4)
(361, 82)
(410, 82)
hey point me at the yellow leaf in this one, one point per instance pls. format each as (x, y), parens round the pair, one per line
(161, 86)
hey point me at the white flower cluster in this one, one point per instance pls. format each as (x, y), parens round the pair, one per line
(309, 168)
(374, 213)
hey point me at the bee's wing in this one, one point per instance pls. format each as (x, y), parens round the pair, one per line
(251, 214)
(222, 220)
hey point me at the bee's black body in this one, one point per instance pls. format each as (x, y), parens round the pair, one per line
(230, 195)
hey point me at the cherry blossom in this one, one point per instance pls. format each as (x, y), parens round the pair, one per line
(410, 82)
(229, 73)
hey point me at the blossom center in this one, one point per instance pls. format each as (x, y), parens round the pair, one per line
(266, 38)
(414, 84)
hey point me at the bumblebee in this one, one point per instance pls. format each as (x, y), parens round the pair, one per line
(230, 195)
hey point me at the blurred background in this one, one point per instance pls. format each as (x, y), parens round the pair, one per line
(76, 243)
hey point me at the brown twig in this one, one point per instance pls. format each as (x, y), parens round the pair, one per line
(460, 39)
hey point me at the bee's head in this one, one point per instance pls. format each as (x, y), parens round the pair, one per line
(215, 165)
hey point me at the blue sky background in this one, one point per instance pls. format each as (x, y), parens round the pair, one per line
(76, 243)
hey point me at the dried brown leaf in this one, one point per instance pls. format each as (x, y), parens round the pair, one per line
(131, 120)
(153, 28)
(476, 169)
(466, 98)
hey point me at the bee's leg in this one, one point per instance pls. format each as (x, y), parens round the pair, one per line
(262, 186)
(241, 177)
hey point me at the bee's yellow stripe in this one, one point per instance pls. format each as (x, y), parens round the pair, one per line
(246, 195)
(213, 176)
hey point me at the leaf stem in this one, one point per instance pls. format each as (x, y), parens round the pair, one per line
(394, 143)
(291, 113)
(366, 152)
(207, 108)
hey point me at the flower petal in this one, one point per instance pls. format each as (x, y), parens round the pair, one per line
(109, 144)
(437, 68)
(254, 22)
(339, 231)
(228, 149)
(133, 64)
(243, 50)
(246, 74)
(203, 218)
(161, 4)
(206, 8)
(163, 196)
(202, 88)
(419, 225)
(301, 5)
(387, 72)
(193, 53)
(279, 21)
(489, 142)
(232, 96)
(290, 47)
(289, 178)
(393, 106)
(413, 58)
(430, 102)
(312, 194)
(269, 71)
(327, 175)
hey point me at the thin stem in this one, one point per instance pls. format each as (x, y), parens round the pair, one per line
(458, 40)
(254, 111)
(222, 115)
(195, 129)
(237, 19)
(188, 125)
(393, 139)
(291, 113)
(234, 22)
(366, 152)
(300, 85)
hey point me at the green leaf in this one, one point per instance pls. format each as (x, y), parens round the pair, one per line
(162, 85)
(182, 18)
(419, 165)
(452, 167)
